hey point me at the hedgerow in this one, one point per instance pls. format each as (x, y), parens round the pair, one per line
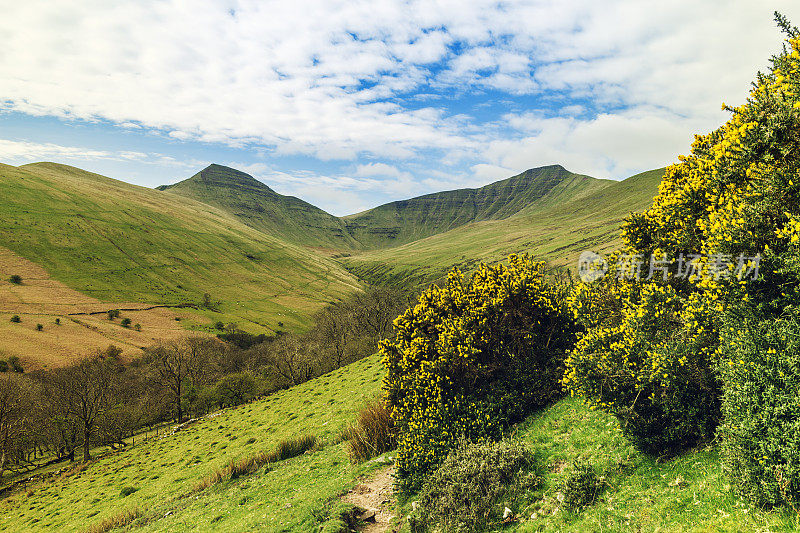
(471, 358)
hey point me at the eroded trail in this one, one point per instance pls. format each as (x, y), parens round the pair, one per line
(376, 495)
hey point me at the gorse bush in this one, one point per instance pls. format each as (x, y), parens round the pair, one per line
(471, 358)
(581, 487)
(466, 492)
(726, 219)
(372, 434)
(761, 432)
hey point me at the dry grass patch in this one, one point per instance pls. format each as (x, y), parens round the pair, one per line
(372, 434)
(118, 520)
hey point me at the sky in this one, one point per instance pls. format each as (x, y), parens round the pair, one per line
(356, 103)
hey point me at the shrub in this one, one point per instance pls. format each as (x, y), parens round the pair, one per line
(372, 434)
(16, 319)
(126, 322)
(127, 491)
(471, 358)
(236, 389)
(219, 324)
(466, 493)
(15, 365)
(761, 430)
(58, 321)
(648, 363)
(137, 327)
(3, 365)
(650, 358)
(112, 314)
(581, 487)
(16, 279)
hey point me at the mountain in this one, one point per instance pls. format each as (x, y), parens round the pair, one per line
(404, 221)
(557, 228)
(256, 205)
(118, 242)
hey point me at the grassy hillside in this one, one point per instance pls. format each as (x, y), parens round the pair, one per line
(400, 222)
(259, 207)
(689, 493)
(118, 242)
(286, 496)
(557, 231)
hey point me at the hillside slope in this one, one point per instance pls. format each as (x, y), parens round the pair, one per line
(256, 205)
(404, 221)
(157, 477)
(556, 231)
(122, 243)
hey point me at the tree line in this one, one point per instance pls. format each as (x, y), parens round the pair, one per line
(56, 415)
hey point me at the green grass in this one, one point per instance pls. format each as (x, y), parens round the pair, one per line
(641, 492)
(556, 231)
(120, 242)
(288, 495)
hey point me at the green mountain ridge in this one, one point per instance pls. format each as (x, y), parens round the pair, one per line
(258, 206)
(393, 224)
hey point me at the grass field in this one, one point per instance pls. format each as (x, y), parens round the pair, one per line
(117, 242)
(551, 231)
(287, 496)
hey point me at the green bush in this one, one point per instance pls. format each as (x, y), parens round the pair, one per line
(16, 319)
(39, 327)
(112, 314)
(467, 493)
(16, 279)
(126, 322)
(580, 488)
(473, 357)
(15, 365)
(3, 365)
(761, 429)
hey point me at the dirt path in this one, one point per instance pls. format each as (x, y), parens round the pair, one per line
(375, 495)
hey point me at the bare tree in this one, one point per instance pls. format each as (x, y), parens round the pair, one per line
(84, 392)
(290, 360)
(178, 364)
(12, 421)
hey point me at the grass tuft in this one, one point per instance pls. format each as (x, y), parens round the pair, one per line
(372, 434)
(118, 520)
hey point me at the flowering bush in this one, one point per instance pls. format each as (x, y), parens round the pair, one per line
(761, 431)
(651, 346)
(472, 357)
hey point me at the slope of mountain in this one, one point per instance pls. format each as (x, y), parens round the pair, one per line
(404, 221)
(122, 243)
(258, 206)
(556, 231)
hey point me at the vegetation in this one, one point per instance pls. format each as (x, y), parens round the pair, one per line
(468, 490)
(373, 433)
(471, 358)
(761, 430)
(547, 230)
(580, 488)
(653, 346)
(132, 244)
(16, 279)
(167, 469)
(16, 319)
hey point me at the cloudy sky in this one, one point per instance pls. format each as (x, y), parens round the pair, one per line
(351, 104)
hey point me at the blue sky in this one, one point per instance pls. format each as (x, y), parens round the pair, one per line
(352, 104)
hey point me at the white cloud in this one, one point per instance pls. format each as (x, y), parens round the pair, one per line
(329, 78)
(14, 152)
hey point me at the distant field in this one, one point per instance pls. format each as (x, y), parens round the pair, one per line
(84, 326)
(554, 232)
(283, 497)
(117, 242)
